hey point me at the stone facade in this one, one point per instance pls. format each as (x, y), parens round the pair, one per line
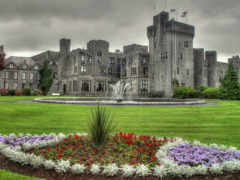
(170, 59)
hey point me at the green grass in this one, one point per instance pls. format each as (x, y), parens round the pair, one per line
(5, 175)
(209, 124)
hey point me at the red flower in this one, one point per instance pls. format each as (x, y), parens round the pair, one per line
(132, 163)
(80, 158)
(59, 156)
(76, 137)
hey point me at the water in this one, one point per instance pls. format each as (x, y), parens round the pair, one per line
(119, 90)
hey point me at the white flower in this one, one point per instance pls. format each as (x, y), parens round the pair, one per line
(20, 134)
(27, 146)
(95, 169)
(78, 168)
(142, 170)
(231, 165)
(36, 161)
(128, 170)
(62, 166)
(12, 135)
(110, 170)
(49, 164)
(216, 169)
(201, 170)
(160, 171)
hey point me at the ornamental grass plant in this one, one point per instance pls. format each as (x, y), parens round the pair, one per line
(100, 125)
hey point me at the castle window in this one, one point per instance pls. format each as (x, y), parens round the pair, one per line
(85, 86)
(118, 60)
(186, 44)
(23, 75)
(6, 75)
(166, 55)
(181, 56)
(15, 75)
(162, 57)
(99, 54)
(11, 66)
(111, 60)
(145, 70)
(188, 72)
(83, 69)
(100, 87)
(133, 71)
(31, 76)
(36, 67)
(144, 84)
(178, 70)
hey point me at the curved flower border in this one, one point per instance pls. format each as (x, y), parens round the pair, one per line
(167, 167)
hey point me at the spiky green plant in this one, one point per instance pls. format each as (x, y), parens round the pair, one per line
(100, 125)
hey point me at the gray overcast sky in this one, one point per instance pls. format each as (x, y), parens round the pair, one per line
(28, 27)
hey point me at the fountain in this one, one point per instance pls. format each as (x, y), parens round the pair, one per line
(119, 98)
(119, 90)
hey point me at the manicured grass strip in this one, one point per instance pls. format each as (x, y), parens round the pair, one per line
(6, 175)
(209, 124)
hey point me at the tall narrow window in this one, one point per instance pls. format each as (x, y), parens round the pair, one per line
(23, 75)
(186, 44)
(6, 75)
(15, 75)
(11, 66)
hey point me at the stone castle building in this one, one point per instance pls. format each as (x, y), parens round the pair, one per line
(169, 60)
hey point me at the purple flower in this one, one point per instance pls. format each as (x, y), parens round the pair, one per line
(187, 154)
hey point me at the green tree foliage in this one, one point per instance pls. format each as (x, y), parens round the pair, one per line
(230, 88)
(2, 58)
(46, 79)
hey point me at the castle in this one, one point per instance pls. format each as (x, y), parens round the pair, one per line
(169, 60)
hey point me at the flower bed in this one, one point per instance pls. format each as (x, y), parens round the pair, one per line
(124, 154)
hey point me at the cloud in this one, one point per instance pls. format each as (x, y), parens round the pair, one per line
(33, 26)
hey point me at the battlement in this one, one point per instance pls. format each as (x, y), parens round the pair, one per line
(65, 46)
(179, 27)
(135, 48)
(235, 60)
(97, 46)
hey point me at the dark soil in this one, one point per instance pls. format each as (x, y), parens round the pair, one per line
(52, 175)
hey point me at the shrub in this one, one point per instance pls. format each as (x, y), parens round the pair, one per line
(202, 88)
(185, 92)
(230, 88)
(100, 125)
(18, 92)
(26, 92)
(211, 93)
(3, 92)
(156, 94)
(36, 92)
(11, 92)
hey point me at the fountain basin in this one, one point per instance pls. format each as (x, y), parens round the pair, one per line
(108, 101)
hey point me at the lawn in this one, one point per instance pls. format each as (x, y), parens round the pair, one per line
(5, 175)
(209, 124)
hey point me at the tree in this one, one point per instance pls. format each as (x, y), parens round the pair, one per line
(46, 79)
(2, 58)
(230, 88)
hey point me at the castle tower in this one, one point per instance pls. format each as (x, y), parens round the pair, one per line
(65, 46)
(198, 67)
(99, 49)
(235, 61)
(211, 58)
(171, 53)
